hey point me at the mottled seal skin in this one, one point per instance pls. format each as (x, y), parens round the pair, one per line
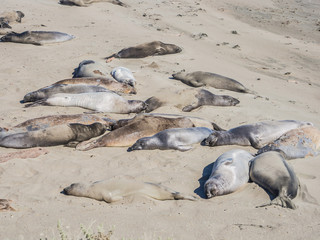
(229, 173)
(297, 143)
(86, 3)
(36, 37)
(174, 138)
(271, 171)
(90, 68)
(97, 101)
(199, 79)
(107, 83)
(52, 136)
(10, 17)
(147, 49)
(115, 190)
(123, 75)
(256, 135)
(49, 91)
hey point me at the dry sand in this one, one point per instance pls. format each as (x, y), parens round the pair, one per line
(275, 53)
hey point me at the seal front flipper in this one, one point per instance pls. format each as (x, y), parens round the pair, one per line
(194, 83)
(42, 102)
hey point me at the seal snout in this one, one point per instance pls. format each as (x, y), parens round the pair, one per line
(211, 189)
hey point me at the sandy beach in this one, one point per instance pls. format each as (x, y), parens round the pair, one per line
(271, 47)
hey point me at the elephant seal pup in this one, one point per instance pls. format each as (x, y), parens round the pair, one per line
(10, 17)
(90, 68)
(271, 171)
(145, 50)
(47, 92)
(297, 143)
(85, 3)
(115, 190)
(107, 83)
(256, 135)
(97, 101)
(229, 173)
(199, 79)
(174, 138)
(36, 37)
(53, 136)
(124, 75)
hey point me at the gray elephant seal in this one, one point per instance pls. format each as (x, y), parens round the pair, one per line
(97, 101)
(90, 68)
(124, 75)
(256, 135)
(49, 91)
(199, 79)
(9, 17)
(146, 49)
(229, 173)
(85, 3)
(297, 143)
(36, 37)
(174, 138)
(115, 190)
(271, 171)
(52, 136)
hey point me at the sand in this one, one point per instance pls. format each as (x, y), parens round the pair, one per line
(273, 50)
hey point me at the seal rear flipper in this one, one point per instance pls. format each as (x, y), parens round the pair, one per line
(190, 107)
(42, 102)
(284, 202)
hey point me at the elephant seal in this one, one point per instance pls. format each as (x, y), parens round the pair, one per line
(174, 138)
(297, 143)
(124, 75)
(97, 101)
(53, 136)
(49, 91)
(36, 37)
(256, 135)
(146, 49)
(229, 173)
(271, 171)
(115, 190)
(85, 3)
(10, 17)
(5, 205)
(90, 68)
(107, 83)
(199, 79)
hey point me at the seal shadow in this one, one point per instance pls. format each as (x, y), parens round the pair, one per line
(205, 175)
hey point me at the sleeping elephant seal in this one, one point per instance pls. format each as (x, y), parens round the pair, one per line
(124, 75)
(297, 143)
(115, 190)
(256, 135)
(85, 3)
(199, 79)
(271, 171)
(90, 68)
(9, 17)
(146, 49)
(229, 173)
(36, 37)
(53, 136)
(174, 138)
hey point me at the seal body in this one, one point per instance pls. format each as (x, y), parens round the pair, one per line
(52, 136)
(271, 171)
(115, 190)
(85, 3)
(147, 49)
(90, 68)
(97, 101)
(36, 37)
(199, 79)
(256, 135)
(229, 173)
(174, 138)
(297, 143)
(10, 17)
(124, 75)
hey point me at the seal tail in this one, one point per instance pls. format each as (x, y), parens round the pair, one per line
(152, 104)
(42, 102)
(246, 90)
(109, 59)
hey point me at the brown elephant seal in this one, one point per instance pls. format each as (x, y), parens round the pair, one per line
(5, 205)
(53, 136)
(146, 49)
(256, 135)
(180, 139)
(297, 143)
(229, 173)
(49, 91)
(90, 68)
(271, 171)
(115, 190)
(36, 37)
(107, 83)
(9, 17)
(109, 102)
(85, 3)
(199, 79)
